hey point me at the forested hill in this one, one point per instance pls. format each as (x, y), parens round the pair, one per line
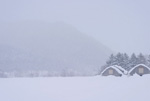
(59, 47)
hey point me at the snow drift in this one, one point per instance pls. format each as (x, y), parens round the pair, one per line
(96, 88)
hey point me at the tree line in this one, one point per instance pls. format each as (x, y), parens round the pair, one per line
(126, 61)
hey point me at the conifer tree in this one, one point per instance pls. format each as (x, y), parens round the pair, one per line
(119, 59)
(132, 61)
(111, 61)
(141, 59)
(125, 61)
(148, 60)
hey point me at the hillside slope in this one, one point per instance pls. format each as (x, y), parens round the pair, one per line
(58, 47)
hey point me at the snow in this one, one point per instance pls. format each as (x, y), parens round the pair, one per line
(122, 69)
(96, 88)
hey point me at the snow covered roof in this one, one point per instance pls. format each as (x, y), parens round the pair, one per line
(119, 69)
(138, 66)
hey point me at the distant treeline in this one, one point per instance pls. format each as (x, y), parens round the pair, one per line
(126, 61)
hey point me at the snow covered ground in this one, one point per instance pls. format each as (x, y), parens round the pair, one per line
(94, 88)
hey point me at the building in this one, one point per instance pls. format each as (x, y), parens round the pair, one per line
(113, 70)
(139, 69)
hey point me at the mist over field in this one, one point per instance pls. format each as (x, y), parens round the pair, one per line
(70, 36)
(74, 50)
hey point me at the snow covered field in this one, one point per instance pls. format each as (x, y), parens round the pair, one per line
(94, 88)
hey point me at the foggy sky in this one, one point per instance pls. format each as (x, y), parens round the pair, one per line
(122, 25)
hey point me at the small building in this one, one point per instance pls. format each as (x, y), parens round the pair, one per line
(114, 70)
(139, 69)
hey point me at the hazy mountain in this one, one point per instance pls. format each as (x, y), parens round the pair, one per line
(49, 46)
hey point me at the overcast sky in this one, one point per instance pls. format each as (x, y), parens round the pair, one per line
(122, 25)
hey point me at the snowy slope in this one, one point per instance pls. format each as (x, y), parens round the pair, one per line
(96, 88)
(59, 46)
